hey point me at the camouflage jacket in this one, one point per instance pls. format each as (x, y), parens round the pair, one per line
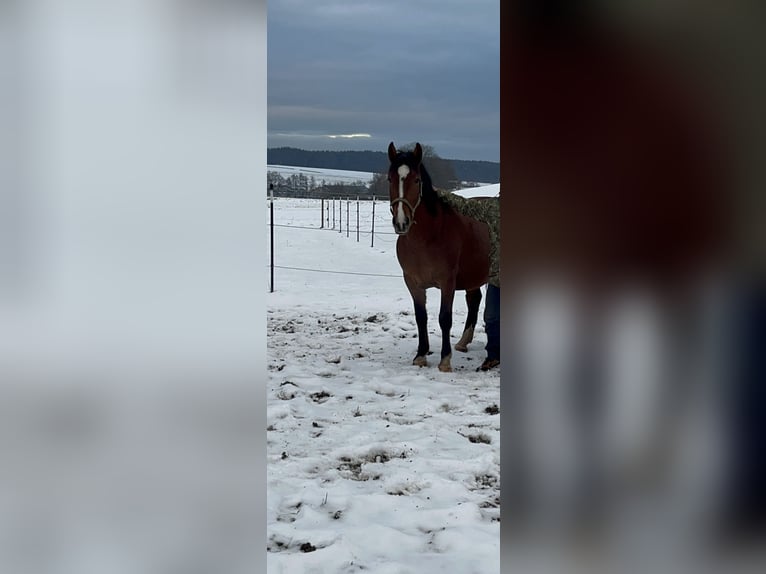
(486, 211)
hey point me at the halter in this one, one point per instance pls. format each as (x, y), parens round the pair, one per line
(407, 203)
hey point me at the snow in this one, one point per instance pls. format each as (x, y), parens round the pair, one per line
(378, 466)
(492, 190)
(374, 464)
(343, 176)
(328, 175)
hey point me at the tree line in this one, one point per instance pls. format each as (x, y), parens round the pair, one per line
(441, 170)
(301, 185)
(377, 162)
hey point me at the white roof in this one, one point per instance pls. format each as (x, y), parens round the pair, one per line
(483, 191)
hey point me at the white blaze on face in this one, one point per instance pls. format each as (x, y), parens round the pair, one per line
(403, 172)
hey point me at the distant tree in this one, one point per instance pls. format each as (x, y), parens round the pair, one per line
(379, 185)
(374, 162)
(274, 178)
(441, 171)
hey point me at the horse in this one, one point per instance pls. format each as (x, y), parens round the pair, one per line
(437, 247)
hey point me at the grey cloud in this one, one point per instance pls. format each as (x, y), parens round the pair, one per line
(395, 70)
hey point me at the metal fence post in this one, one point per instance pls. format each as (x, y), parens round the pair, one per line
(372, 233)
(271, 210)
(357, 219)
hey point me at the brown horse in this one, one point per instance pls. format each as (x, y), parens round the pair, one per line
(437, 247)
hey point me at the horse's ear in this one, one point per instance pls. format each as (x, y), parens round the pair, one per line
(418, 152)
(391, 152)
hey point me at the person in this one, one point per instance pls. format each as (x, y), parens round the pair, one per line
(486, 211)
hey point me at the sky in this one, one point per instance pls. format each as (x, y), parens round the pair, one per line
(356, 75)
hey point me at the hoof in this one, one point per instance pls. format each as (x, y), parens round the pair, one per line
(444, 364)
(420, 361)
(462, 344)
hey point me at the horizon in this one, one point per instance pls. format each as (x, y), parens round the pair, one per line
(338, 81)
(371, 151)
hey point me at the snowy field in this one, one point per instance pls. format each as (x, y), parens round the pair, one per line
(322, 174)
(378, 466)
(374, 465)
(344, 176)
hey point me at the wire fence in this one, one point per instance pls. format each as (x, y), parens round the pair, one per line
(333, 214)
(338, 272)
(302, 227)
(371, 223)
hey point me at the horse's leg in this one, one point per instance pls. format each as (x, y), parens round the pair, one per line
(445, 322)
(421, 319)
(473, 299)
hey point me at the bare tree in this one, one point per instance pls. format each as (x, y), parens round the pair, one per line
(441, 171)
(379, 185)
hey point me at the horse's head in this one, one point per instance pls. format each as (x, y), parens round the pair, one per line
(405, 186)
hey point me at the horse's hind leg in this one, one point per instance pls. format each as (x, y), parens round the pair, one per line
(472, 299)
(445, 322)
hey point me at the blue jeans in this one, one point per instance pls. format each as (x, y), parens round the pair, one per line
(492, 321)
(747, 410)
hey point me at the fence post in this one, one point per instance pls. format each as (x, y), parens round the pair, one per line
(333, 213)
(372, 233)
(271, 210)
(348, 208)
(357, 219)
(322, 214)
(340, 215)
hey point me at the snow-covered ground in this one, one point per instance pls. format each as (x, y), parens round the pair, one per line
(378, 466)
(323, 174)
(374, 465)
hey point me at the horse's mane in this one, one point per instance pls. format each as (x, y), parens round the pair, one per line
(430, 197)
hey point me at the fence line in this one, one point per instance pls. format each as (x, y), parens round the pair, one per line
(302, 227)
(271, 217)
(338, 272)
(363, 222)
(325, 226)
(326, 229)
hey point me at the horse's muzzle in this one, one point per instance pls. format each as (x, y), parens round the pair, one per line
(402, 228)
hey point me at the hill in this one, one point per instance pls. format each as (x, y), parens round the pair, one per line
(374, 161)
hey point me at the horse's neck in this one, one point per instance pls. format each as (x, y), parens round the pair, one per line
(428, 226)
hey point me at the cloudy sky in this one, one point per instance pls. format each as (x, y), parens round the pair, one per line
(346, 74)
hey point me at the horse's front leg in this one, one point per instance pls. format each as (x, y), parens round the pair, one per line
(421, 319)
(445, 322)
